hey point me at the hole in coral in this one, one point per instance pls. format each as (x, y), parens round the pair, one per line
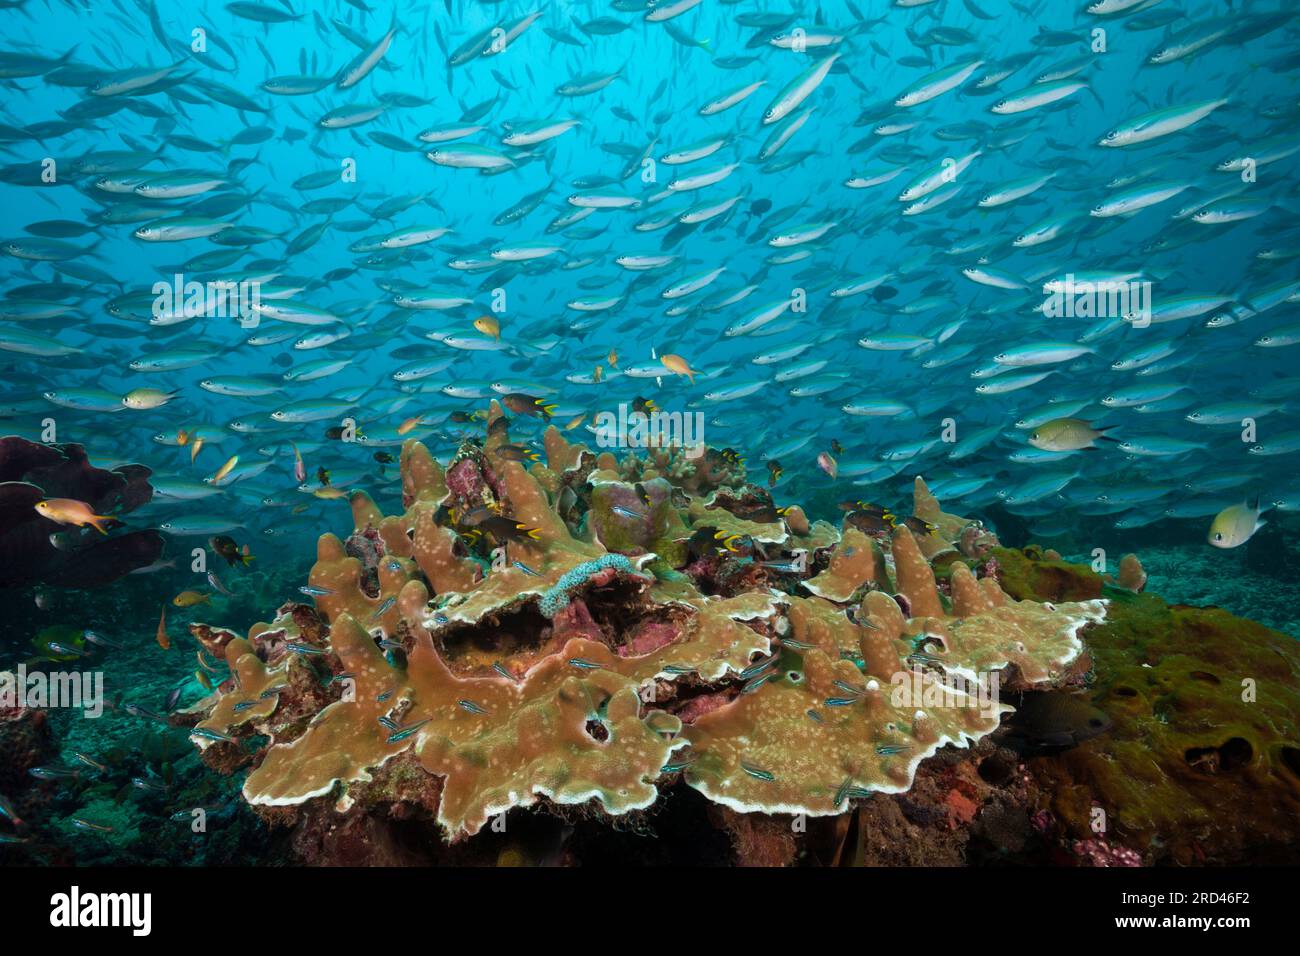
(795, 677)
(470, 647)
(1124, 692)
(1232, 754)
(1291, 759)
(998, 769)
(596, 730)
(1236, 753)
(1205, 676)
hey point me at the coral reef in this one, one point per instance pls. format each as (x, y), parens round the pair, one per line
(589, 632)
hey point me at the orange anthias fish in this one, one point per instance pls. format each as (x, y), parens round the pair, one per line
(409, 424)
(164, 641)
(679, 366)
(299, 469)
(73, 512)
(488, 326)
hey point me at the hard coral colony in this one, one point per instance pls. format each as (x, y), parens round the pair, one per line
(588, 630)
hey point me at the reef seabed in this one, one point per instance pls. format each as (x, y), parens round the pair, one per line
(593, 632)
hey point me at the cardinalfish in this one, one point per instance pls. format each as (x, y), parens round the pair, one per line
(786, 567)
(89, 761)
(95, 637)
(217, 584)
(55, 773)
(225, 546)
(526, 569)
(628, 513)
(501, 669)
(314, 590)
(470, 707)
(82, 824)
(522, 404)
(409, 730)
(298, 647)
(135, 710)
(7, 810)
(674, 766)
(208, 733)
(758, 773)
(384, 607)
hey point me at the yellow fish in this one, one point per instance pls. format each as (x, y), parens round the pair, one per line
(409, 424)
(678, 366)
(578, 420)
(191, 598)
(488, 326)
(73, 512)
(613, 358)
(1235, 525)
(598, 374)
(330, 493)
(195, 447)
(224, 470)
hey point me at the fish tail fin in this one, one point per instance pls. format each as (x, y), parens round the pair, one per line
(97, 522)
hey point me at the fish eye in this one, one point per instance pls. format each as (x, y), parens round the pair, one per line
(1218, 536)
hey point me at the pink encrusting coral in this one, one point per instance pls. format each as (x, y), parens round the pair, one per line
(588, 630)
